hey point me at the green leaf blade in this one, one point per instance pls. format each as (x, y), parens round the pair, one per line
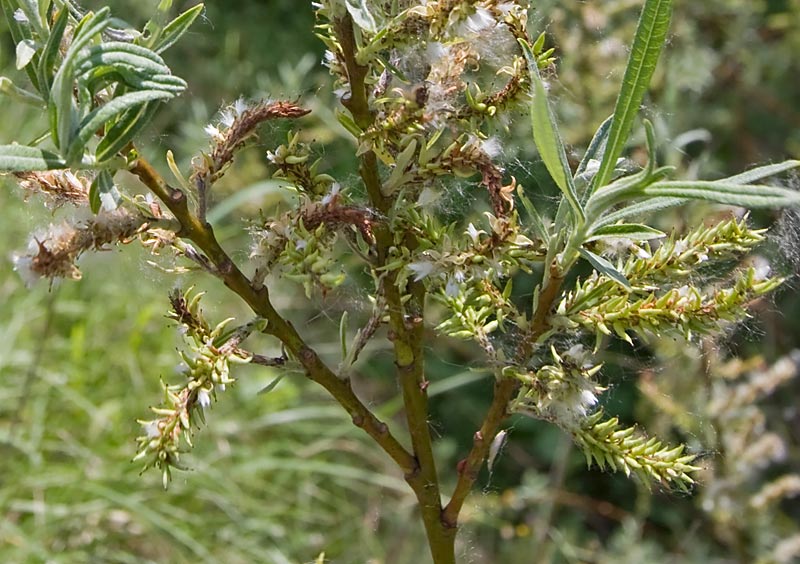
(720, 192)
(97, 118)
(547, 138)
(606, 268)
(647, 45)
(20, 158)
(634, 231)
(175, 29)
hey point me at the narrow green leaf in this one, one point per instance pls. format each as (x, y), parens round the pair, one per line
(145, 61)
(639, 209)
(647, 45)
(343, 334)
(8, 88)
(547, 138)
(47, 62)
(175, 29)
(63, 112)
(20, 158)
(124, 130)
(606, 268)
(360, 12)
(98, 117)
(744, 195)
(634, 231)
(272, 385)
(759, 173)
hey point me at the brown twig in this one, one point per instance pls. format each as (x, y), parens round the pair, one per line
(202, 235)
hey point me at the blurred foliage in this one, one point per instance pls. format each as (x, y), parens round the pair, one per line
(284, 476)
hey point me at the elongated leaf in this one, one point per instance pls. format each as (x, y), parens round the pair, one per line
(647, 44)
(640, 209)
(19, 158)
(124, 130)
(606, 268)
(761, 172)
(175, 29)
(547, 138)
(634, 231)
(97, 118)
(744, 195)
(63, 113)
(147, 62)
(361, 14)
(50, 51)
(8, 88)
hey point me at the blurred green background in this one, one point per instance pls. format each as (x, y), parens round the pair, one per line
(283, 476)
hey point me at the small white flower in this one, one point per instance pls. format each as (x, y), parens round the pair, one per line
(227, 118)
(680, 247)
(480, 20)
(641, 252)
(491, 147)
(474, 233)
(23, 265)
(588, 398)
(151, 430)
(212, 131)
(761, 269)
(330, 196)
(239, 107)
(108, 202)
(702, 257)
(19, 16)
(203, 398)
(421, 269)
(300, 244)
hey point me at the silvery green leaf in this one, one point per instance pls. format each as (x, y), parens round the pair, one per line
(722, 192)
(112, 53)
(62, 109)
(606, 268)
(20, 158)
(361, 15)
(761, 172)
(94, 121)
(633, 231)
(26, 49)
(123, 131)
(51, 49)
(548, 139)
(639, 209)
(8, 88)
(175, 29)
(647, 45)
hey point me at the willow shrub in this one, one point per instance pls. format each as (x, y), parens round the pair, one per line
(426, 90)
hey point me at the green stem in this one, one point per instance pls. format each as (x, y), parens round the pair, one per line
(504, 391)
(406, 320)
